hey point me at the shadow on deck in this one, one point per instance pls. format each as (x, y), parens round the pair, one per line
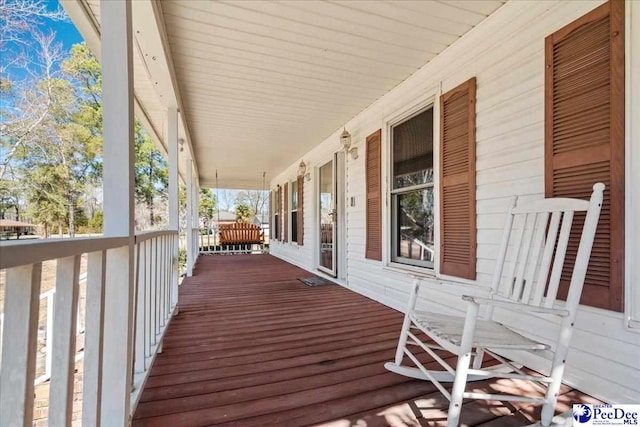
(253, 346)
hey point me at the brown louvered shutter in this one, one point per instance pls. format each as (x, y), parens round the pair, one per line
(584, 140)
(374, 197)
(458, 181)
(279, 213)
(300, 211)
(285, 203)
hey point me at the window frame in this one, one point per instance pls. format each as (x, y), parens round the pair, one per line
(392, 193)
(276, 215)
(293, 230)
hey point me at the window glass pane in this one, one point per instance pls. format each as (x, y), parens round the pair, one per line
(294, 196)
(413, 151)
(294, 227)
(415, 225)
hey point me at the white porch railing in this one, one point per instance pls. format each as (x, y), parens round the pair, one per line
(156, 283)
(193, 248)
(155, 290)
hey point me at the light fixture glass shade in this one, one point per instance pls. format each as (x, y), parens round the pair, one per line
(345, 139)
(302, 168)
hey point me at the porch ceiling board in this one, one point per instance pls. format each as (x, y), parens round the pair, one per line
(264, 82)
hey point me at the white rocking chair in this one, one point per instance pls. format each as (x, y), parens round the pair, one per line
(522, 290)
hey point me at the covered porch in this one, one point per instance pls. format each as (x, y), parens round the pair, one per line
(254, 91)
(254, 346)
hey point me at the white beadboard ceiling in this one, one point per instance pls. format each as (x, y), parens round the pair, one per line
(263, 82)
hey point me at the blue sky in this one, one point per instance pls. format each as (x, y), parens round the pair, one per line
(66, 34)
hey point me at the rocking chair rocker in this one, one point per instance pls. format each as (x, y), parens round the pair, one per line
(522, 290)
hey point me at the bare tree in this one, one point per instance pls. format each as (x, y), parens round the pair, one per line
(33, 102)
(254, 199)
(226, 199)
(18, 17)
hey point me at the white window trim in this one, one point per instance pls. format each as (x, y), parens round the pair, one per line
(430, 97)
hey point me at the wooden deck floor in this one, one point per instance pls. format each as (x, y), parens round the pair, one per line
(253, 346)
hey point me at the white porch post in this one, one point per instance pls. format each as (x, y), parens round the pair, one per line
(172, 147)
(190, 252)
(118, 178)
(196, 218)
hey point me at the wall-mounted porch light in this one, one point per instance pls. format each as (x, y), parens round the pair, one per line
(345, 140)
(181, 141)
(302, 171)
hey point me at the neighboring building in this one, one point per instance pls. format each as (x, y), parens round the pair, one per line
(10, 228)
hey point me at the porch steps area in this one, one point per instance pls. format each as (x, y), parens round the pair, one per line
(253, 346)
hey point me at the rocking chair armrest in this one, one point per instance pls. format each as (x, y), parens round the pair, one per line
(515, 306)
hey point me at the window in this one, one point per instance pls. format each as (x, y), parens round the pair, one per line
(294, 211)
(276, 216)
(412, 208)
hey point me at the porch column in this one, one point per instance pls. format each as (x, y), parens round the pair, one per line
(190, 246)
(172, 148)
(118, 178)
(196, 218)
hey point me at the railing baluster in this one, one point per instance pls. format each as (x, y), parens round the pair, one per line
(167, 262)
(94, 323)
(78, 315)
(147, 290)
(163, 280)
(140, 352)
(49, 337)
(167, 287)
(118, 335)
(20, 330)
(174, 273)
(154, 301)
(64, 341)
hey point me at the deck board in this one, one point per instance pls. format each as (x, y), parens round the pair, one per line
(253, 346)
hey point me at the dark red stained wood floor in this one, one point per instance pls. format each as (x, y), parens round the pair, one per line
(253, 346)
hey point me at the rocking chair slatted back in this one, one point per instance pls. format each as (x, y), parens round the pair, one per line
(532, 240)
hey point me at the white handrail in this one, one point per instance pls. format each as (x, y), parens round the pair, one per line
(156, 282)
(27, 252)
(146, 235)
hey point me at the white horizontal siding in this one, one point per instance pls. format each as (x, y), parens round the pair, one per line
(506, 55)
